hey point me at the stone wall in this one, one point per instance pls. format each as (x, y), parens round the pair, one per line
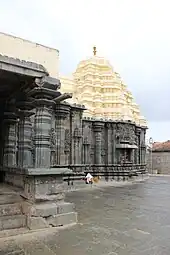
(81, 144)
(160, 162)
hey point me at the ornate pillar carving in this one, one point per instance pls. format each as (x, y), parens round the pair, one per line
(42, 133)
(132, 156)
(143, 145)
(113, 143)
(10, 144)
(61, 113)
(138, 150)
(97, 127)
(67, 144)
(77, 153)
(25, 153)
(25, 157)
(44, 104)
(86, 148)
(109, 143)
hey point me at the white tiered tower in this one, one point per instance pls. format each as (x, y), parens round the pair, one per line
(97, 86)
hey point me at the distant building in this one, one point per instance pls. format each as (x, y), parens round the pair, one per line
(160, 157)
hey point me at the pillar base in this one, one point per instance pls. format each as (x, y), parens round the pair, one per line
(46, 215)
(43, 196)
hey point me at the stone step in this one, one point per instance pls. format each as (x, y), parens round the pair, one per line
(11, 222)
(62, 219)
(10, 198)
(10, 209)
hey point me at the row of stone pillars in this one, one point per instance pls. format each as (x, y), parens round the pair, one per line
(17, 139)
(27, 145)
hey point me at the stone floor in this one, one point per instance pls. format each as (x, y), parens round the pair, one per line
(127, 220)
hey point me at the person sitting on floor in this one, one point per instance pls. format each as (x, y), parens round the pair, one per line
(89, 179)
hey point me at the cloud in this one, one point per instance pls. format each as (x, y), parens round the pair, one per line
(132, 34)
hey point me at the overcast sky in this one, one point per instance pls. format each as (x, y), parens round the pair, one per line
(133, 34)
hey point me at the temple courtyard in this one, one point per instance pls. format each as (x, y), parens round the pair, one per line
(127, 220)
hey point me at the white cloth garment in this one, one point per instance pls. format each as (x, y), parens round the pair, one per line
(89, 177)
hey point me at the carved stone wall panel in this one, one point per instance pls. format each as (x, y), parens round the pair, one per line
(125, 132)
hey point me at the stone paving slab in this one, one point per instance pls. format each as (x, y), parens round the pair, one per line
(127, 220)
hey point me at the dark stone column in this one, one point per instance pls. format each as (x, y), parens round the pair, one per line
(86, 150)
(10, 145)
(97, 127)
(143, 153)
(144, 147)
(138, 150)
(133, 156)
(25, 157)
(109, 143)
(61, 113)
(113, 143)
(77, 152)
(43, 118)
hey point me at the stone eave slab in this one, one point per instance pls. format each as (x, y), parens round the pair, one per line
(22, 67)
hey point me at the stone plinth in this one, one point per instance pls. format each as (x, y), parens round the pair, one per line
(43, 195)
(46, 206)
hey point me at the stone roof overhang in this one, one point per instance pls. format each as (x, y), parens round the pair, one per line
(15, 74)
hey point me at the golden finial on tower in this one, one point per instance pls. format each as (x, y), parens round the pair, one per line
(94, 51)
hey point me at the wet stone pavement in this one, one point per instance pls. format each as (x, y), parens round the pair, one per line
(127, 220)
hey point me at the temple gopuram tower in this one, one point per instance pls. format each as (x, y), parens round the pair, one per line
(100, 88)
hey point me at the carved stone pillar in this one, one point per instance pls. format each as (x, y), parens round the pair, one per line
(97, 127)
(42, 133)
(61, 113)
(144, 147)
(143, 152)
(86, 150)
(77, 152)
(113, 143)
(43, 186)
(10, 144)
(25, 157)
(109, 143)
(138, 150)
(132, 158)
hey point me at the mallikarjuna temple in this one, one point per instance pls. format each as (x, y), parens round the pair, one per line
(55, 131)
